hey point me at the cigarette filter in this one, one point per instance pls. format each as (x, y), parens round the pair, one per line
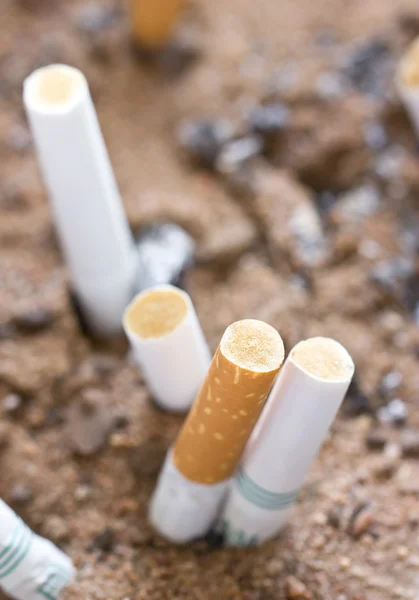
(298, 414)
(195, 477)
(153, 22)
(168, 343)
(86, 204)
(407, 82)
(31, 567)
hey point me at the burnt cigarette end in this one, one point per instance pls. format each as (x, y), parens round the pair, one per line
(253, 345)
(323, 358)
(409, 66)
(156, 313)
(229, 403)
(57, 84)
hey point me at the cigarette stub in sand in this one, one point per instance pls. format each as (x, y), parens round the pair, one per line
(168, 343)
(31, 568)
(195, 476)
(153, 22)
(407, 82)
(87, 208)
(298, 414)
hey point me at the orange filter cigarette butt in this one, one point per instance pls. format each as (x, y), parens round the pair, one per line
(230, 401)
(153, 21)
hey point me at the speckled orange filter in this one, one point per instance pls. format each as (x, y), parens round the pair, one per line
(229, 403)
(153, 21)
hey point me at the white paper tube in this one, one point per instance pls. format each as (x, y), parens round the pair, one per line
(407, 82)
(87, 207)
(168, 343)
(183, 510)
(31, 567)
(302, 405)
(197, 471)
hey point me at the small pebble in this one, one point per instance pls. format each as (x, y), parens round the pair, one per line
(236, 153)
(391, 382)
(89, 423)
(12, 403)
(375, 135)
(105, 540)
(376, 439)
(21, 494)
(330, 85)
(361, 520)
(93, 17)
(270, 118)
(296, 589)
(56, 528)
(357, 204)
(203, 139)
(395, 413)
(409, 442)
(34, 321)
(393, 274)
(368, 67)
(165, 252)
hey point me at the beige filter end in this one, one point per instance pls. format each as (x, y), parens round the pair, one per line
(409, 66)
(153, 21)
(156, 313)
(323, 358)
(229, 403)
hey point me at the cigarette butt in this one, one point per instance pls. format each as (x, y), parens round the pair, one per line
(31, 567)
(88, 213)
(407, 82)
(303, 404)
(238, 381)
(168, 344)
(196, 474)
(153, 22)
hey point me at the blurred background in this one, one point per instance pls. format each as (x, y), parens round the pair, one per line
(271, 132)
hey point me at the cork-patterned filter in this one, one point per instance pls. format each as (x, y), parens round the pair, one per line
(153, 21)
(229, 403)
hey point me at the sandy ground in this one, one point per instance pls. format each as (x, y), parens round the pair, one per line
(354, 534)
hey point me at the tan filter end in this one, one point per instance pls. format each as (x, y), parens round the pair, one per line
(156, 312)
(153, 21)
(409, 66)
(229, 403)
(323, 358)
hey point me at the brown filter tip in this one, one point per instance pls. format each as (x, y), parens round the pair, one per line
(156, 313)
(324, 358)
(229, 403)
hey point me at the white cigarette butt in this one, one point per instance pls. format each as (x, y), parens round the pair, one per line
(31, 567)
(88, 213)
(298, 414)
(168, 344)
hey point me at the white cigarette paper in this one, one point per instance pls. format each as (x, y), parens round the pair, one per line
(183, 510)
(303, 404)
(168, 343)
(31, 567)
(407, 82)
(92, 226)
(197, 471)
